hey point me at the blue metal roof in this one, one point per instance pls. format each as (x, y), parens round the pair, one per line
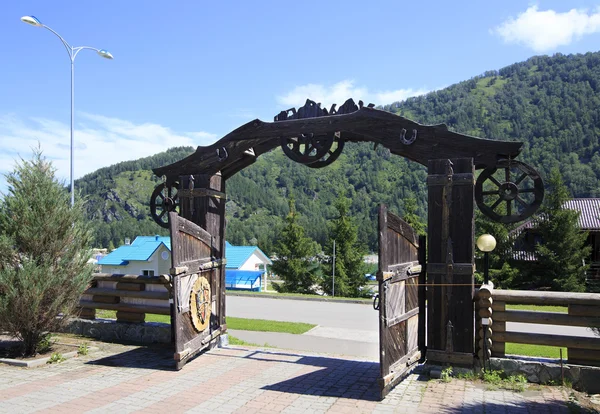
(243, 279)
(142, 248)
(237, 255)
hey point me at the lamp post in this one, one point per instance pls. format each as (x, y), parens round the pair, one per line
(72, 51)
(486, 243)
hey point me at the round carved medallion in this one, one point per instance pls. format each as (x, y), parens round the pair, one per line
(200, 304)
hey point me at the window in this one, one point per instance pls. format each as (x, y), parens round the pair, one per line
(148, 272)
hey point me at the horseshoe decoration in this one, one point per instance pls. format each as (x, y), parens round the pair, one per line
(307, 148)
(331, 155)
(163, 200)
(408, 141)
(200, 307)
(512, 184)
(222, 154)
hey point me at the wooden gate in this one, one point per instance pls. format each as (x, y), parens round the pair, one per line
(196, 284)
(401, 279)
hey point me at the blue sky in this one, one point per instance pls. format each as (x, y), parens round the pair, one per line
(189, 72)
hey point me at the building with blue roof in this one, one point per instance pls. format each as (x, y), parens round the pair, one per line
(151, 255)
(147, 255)
(245, 267)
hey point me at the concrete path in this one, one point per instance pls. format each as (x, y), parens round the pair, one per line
(311, 343)
(126, 379)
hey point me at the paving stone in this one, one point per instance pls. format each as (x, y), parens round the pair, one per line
(127, 379)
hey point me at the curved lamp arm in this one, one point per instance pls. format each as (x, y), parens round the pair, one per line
(72, 51)
(64, 42)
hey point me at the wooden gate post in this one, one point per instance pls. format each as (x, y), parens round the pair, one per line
(450, 267)
(202, 201)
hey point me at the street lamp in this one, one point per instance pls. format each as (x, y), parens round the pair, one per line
(73, 51)
(486, 243)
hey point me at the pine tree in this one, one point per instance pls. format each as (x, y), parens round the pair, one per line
(501, 272)
(350, 268)
(411, 217)
(44, 249)
(296, 261)
(562, 254)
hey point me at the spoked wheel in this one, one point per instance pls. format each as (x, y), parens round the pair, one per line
(307, 148)
(163, 200)
(509, 192)
(332, 154)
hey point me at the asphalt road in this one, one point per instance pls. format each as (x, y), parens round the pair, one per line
(343, 328)
(329, 314)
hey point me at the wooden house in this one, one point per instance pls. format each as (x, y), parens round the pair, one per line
(526, 236)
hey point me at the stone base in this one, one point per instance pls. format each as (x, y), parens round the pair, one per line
(547, 371)
(112, 331)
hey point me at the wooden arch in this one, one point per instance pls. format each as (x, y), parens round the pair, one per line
(309, 135)
(419, 143)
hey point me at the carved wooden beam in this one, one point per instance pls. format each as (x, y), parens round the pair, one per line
(417, 142)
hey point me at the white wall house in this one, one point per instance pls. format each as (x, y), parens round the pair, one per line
(147, 255)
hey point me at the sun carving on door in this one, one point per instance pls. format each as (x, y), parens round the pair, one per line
(200, 304)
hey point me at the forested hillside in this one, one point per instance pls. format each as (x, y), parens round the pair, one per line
(550, 103)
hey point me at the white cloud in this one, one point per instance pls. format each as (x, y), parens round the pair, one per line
(100, 141)
(341, 91)
(398, 95)
(546, 30)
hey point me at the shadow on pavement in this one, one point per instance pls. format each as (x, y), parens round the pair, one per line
(332, 377)
(160, 358)
(525, 407)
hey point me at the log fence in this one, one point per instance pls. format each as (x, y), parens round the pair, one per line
(132, 296)
(583, 311)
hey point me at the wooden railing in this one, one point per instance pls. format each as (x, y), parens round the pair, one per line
(132, 296)
(583, 311)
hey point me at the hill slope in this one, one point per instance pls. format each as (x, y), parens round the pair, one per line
(550, 103)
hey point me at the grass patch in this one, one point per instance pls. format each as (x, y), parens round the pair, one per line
(241, 324)
(493, 379)
(542, 351)
(497, 379)
(446, 375)
(262, 325)
(538, 308)
(236, 341)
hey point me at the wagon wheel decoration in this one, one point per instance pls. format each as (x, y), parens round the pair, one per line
(163, 200)
(307, 148)
(331, 155)
(200, 307)
(521, 195)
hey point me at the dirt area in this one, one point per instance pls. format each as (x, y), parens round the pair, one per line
(10, 347)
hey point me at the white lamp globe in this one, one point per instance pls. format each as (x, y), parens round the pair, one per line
(486, 243)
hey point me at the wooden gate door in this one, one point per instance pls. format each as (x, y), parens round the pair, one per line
(195, 277)
(401, 279)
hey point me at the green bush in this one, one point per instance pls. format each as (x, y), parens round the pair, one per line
(56, 358)
(44, 249)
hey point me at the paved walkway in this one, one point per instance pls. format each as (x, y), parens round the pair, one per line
(123, 379)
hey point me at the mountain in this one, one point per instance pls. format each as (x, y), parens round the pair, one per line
(552, 104)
